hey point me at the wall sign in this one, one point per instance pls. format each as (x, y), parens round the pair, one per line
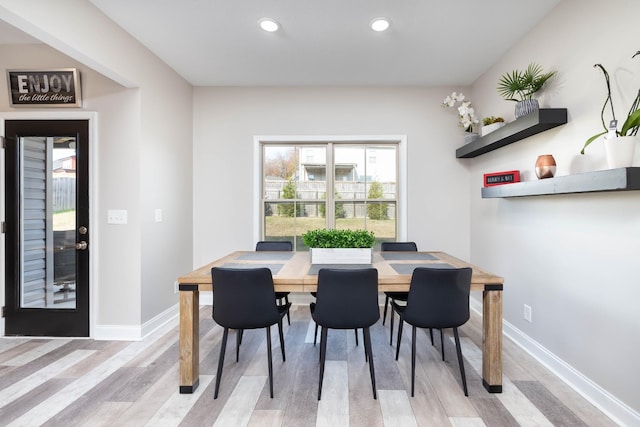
(46, 88)
(499, 178)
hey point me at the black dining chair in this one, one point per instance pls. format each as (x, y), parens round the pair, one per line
(438, 298)
(346, 299)
(245, 299)
(277, 246)
(395, 296)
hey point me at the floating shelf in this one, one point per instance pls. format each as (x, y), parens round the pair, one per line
(535, 122)
(623, 179)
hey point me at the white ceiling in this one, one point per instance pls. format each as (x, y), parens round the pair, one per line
(327, 42)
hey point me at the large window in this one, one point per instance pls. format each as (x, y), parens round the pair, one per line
(345, 185)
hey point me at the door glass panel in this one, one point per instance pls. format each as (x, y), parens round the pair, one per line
(48, 222)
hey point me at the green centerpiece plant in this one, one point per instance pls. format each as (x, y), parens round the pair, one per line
(339, 246)
(331, 238)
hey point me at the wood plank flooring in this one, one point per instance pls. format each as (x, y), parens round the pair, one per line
(75, 382)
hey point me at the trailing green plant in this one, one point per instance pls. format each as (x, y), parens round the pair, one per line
(491, 120)
(332, 238)
(632, 122)
(520, 85)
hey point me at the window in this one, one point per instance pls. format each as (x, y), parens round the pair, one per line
(329, 184)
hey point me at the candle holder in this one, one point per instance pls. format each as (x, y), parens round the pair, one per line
(545, 166)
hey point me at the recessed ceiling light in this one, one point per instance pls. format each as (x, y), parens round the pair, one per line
(268, 24)
(379, 24)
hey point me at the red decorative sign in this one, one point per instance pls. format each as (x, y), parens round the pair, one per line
(500, 178)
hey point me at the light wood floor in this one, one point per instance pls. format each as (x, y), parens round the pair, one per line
(92, 383)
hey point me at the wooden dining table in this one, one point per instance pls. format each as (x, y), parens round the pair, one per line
(293, 272)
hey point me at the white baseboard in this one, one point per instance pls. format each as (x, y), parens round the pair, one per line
(206, 298)
(615, 409)
(165, 320)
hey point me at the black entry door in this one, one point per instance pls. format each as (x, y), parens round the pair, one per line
(47, 231)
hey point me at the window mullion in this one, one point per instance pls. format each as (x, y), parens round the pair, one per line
(330, 211)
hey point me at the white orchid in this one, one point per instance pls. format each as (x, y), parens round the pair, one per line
(466, 114)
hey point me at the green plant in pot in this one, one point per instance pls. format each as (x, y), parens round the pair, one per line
(491, 120)
(339, 246)
(627, 133)
(331, 238)
(519, 86)
(490, 124)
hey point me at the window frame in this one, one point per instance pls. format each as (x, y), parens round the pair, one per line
(401, 186)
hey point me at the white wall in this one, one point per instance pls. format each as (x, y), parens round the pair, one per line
(227, 119)
(116, 107)
(145, 153)
(572, 258)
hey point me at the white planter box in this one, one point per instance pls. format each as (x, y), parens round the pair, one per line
(341, 255)
(490, 128)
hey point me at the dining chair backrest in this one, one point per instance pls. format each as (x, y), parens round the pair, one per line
(438, 297)
(399, 246)
(243, 298)
(274, 245)
(347, 299)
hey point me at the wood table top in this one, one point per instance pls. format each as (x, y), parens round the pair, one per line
(293, 271)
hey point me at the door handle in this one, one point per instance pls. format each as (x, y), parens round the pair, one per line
(82, 245)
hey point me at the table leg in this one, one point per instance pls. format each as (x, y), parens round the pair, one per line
(189, 338)
(492, 340)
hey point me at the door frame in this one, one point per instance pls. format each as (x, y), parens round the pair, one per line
(92, 117)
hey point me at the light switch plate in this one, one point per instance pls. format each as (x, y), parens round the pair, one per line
(158, 215)
(116, 216)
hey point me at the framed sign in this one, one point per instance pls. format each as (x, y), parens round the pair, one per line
(499, 178)
(44, 88)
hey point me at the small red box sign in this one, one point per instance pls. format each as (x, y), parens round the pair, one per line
(500, 178)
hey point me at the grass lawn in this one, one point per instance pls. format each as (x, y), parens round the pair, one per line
(64, 220)
(278, 226)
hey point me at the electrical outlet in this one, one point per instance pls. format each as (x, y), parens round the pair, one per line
(175, 287)
(527, 313)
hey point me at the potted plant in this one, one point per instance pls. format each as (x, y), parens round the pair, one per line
(519, 86)
(466, 114)
(623, 139)
(330, 246)
(491, 123)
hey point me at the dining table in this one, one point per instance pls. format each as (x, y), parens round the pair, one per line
(294, 272)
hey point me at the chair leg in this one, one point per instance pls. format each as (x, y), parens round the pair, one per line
(386, 306)
(323, 355)
(442, 343)
(413, 360)
(367, 347)
(391, 328)
(268, 328)
(223, 347)
(356, 332)
(399, 337)
(315, 335)
(460, 361)
(284, 358)
(286, 301)
(431, 335)
(239, 333)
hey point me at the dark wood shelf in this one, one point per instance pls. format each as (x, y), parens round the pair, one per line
(623, 179)
(524, 127)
